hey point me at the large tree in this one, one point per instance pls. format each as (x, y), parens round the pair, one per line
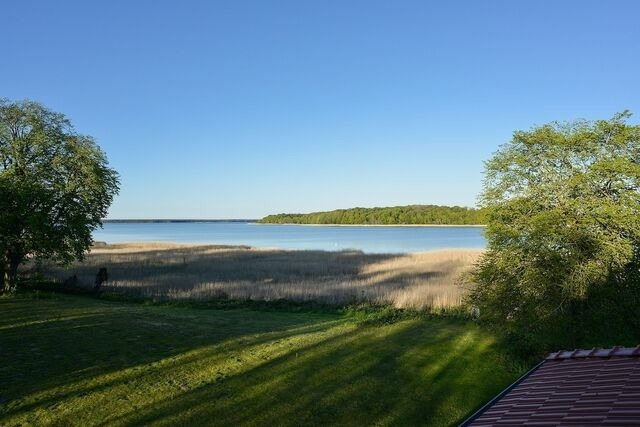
(55, 187)
(563, 210)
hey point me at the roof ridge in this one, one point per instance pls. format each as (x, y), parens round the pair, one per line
(617, 351)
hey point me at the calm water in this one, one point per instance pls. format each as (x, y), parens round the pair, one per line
(367, 239)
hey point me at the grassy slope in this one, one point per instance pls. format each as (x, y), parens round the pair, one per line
(86, 361)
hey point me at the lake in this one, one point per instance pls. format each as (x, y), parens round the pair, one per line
(330, 238)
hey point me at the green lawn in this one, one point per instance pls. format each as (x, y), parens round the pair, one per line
(82, 361)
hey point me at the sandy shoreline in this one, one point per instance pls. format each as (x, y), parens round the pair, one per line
(142, 246)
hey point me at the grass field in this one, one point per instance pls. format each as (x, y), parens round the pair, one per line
(72, 360)
(419, 281)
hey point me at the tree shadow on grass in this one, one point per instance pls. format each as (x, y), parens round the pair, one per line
(130, 364)
(411, 373)
(60, 344)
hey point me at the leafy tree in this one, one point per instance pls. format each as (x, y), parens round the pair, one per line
(55, 186)
(563, 225)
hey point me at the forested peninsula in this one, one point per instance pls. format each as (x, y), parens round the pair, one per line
(396, 215)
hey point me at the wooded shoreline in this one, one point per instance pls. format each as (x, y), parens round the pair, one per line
(372, 225)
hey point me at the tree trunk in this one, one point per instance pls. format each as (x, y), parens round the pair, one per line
(10, 271)
(3, 274)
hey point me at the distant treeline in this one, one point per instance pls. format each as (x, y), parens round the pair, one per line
(414, 214)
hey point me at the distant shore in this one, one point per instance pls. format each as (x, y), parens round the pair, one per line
(370, 225)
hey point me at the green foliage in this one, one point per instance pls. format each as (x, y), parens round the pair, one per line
(563, 229)
(55, 187)
(414, 214)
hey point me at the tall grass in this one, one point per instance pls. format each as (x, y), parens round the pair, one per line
(418, 281)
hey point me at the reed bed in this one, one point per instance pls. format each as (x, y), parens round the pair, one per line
(420, 280)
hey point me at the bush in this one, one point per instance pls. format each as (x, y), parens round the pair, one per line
(563, 231)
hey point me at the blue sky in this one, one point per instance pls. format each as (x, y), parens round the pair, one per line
(239, 109)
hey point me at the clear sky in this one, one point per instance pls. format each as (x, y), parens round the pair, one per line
(239, 109)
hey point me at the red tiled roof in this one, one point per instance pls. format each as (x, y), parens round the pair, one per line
(580, 387)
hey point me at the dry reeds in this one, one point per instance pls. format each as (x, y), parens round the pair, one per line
(418, 280)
